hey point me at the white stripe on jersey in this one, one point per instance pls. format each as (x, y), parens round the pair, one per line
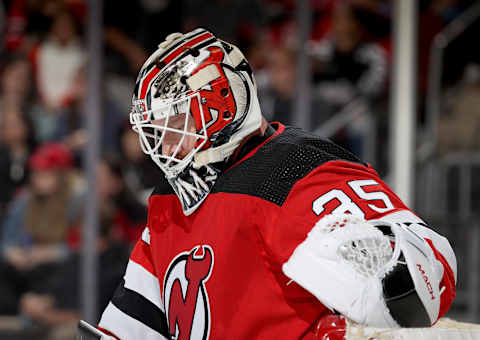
(127, 328)
(146, 236)
(440, 242)
(144, 283)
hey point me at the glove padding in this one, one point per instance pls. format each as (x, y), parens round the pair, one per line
(413, 300)
(348, 264)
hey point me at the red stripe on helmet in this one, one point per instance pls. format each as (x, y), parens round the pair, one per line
(147, 80)
(190, 43)
(172, 55)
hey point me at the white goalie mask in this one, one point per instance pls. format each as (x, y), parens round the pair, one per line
(194, 101)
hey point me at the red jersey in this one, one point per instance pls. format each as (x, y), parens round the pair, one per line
(216, 274)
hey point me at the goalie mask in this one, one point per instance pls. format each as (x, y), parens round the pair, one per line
(194, 102)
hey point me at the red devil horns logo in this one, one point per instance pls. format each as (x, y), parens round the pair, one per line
(185, 296)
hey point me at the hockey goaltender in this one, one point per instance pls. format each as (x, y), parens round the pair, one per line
(259, 230)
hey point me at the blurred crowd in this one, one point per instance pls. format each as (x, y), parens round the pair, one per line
(43, 83)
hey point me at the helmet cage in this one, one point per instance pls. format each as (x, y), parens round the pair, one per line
(152, 125)
(196, 95)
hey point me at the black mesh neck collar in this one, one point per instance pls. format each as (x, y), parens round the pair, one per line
(253, 142)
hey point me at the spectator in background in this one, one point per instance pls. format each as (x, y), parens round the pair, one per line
(237, 21)
(59, 308)
(347, 67)
(278, 93)
(41, 14)
(127, 215)
(36, 225)
(15, 84)
(70, 125)
(281, 22)
(457, 129)
(345, 64)
(28, 21)
(129, 38)
(16, 146)
(277, 96)
(56, 61)
(140, 174)
(15, 24)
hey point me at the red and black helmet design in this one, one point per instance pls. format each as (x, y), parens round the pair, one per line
(208, 85)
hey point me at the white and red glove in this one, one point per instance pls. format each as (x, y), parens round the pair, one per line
(376, 273)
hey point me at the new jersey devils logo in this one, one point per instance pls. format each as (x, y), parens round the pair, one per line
(186, 300)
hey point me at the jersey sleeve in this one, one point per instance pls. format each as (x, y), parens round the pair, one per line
(345, 187)
(136, 310)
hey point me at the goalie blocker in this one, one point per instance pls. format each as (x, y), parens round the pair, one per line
(376, 273)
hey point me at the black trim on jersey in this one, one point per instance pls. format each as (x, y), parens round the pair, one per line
(402, 299)
(141, 309)
(252, 143)
(163, 187)
(274, 169)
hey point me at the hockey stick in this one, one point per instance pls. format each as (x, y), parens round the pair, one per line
(88, 332)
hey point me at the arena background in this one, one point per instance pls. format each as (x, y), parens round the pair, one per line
(396, 82)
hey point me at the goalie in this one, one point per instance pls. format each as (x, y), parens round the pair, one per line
(260, 231)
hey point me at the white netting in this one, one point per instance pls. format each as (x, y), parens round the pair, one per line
(368, 256)
(357, 242)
